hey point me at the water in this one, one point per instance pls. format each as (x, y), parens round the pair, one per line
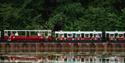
(73, 60)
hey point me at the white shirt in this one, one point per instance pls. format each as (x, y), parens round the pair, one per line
(16, 34)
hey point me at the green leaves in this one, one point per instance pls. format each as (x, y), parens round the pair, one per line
(70, 14)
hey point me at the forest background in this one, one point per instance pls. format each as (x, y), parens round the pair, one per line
(62, 14)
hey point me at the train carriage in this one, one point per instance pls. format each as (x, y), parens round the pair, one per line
(64, 41)
(27, 35)
(78, 35)
(115, 36)
(62, 36)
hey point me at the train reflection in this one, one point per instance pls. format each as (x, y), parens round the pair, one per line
(67, 59)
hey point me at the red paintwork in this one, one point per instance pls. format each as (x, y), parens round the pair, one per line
(27, 38)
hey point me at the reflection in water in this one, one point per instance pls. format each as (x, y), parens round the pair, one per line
(91, 60)
(76, 59)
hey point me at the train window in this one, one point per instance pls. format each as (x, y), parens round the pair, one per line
(107, 36)
(32, 33)
(95, 35)
(124, 34)
(49, 34)
(52, 33)
(20, 33)
(69, 35)
(43, 33)
(61, 35)
(86, 35)
(100, 35)
(74, 35)
(116, 34)
(65, 35)
(120, 35)
(82, 35)
(91, 35)
(77, 35)
(111, 34)
(46, 34)
(56, 35)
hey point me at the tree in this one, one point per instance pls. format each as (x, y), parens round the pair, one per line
(62, 14)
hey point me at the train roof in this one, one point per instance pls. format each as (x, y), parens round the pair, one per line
(77, 32)
(68, 32)
(114, 32)
(29, 30)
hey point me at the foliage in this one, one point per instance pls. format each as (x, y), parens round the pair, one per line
(66, 14)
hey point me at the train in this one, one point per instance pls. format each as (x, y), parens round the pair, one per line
(62, 36)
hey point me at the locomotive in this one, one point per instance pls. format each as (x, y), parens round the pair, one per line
(62, 36)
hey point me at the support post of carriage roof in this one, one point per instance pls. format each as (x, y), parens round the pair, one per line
(25, 33)
(29, 33)
(103, 36)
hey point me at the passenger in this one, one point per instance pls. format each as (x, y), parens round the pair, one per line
(6, 34)
(97, 37)
(122, 36)
(16, 34)
(86, 36)
(94, 37)
(62, 37)
(77, 37)
(68, 36)
(49, 34)
(111, 37)
(39, 34)
(12, 34)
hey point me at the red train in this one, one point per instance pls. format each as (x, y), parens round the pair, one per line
(48, 35)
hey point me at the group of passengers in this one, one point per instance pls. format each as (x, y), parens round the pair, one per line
(116, 37)
(79, 37)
